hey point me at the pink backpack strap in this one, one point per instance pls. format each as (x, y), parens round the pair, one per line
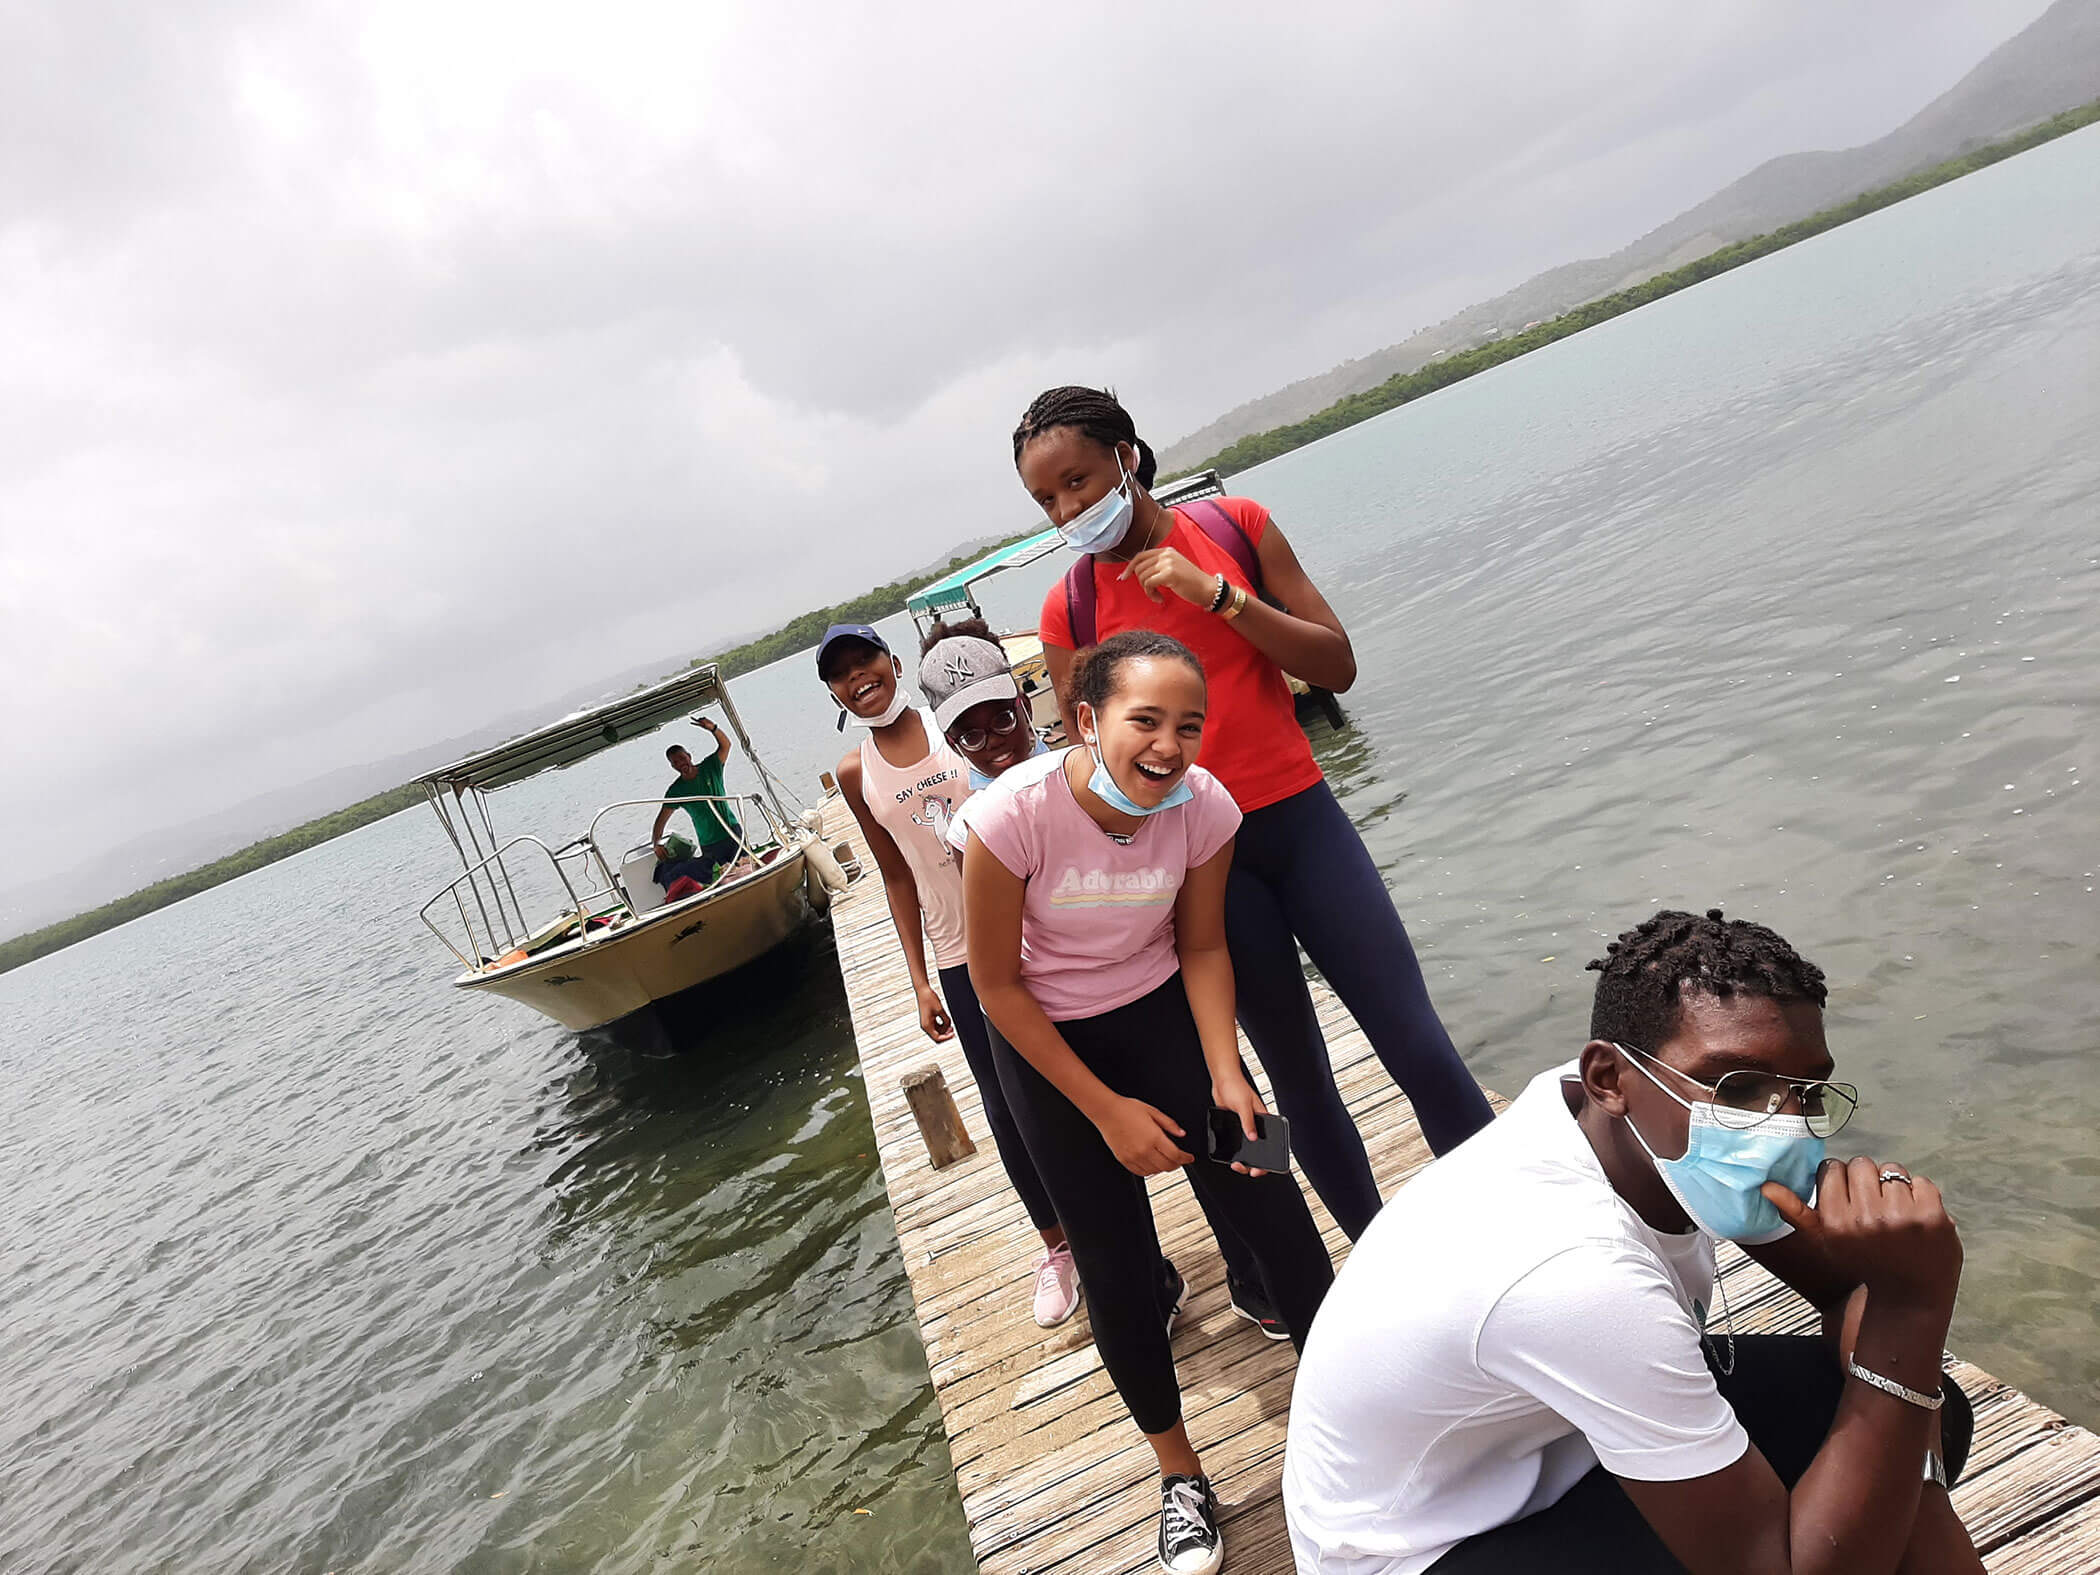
(1079, 600)
(1217, 522)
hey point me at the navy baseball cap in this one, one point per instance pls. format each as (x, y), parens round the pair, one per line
(849, 631)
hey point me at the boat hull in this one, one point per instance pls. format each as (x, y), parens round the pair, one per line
(589, 983)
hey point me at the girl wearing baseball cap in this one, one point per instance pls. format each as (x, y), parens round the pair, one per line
(903, 784)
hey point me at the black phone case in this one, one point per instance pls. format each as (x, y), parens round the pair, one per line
(1228, 1144)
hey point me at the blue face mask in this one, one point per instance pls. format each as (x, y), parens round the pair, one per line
(1716, 1179)
(979, 781)
(1102, 526)
(1105, 789)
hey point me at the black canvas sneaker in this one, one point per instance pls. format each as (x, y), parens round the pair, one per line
(1252, 1303)
(1189, 1540)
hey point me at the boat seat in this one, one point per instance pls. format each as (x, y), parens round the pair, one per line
(637, 878)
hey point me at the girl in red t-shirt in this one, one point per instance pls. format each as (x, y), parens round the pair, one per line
(1301, 874)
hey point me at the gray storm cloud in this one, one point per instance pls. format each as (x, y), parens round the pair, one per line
(343, 343)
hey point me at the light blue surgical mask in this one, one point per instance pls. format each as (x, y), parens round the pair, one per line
(979, 781)
(1102, 525)
(1716, 1179)
(1105, 789)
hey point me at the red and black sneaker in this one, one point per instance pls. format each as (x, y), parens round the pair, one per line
(1252, 1303)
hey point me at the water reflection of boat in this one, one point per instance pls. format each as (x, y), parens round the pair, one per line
(582, 932)
(955, 596)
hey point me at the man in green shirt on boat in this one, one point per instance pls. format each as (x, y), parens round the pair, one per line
(715, 826)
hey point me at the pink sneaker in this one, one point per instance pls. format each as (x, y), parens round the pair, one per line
(1056, 1287)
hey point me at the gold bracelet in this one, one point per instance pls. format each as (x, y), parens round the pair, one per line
(1236, 606)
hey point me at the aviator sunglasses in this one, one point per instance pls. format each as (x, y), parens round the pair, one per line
(1743, 1099)
(1004, 722)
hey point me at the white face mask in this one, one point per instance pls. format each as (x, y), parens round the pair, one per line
(900, 702)
(1102, 526)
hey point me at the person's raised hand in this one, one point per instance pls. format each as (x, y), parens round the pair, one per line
(1142, 1138)
(1895, 1234)
(933, 1017)
(1163, 569)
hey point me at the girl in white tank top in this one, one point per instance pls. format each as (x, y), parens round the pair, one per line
(903, 784)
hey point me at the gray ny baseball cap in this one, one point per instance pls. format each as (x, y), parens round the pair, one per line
(963, 672)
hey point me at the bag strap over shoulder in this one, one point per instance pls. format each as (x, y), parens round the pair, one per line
(1079, 600)
(1217, 522)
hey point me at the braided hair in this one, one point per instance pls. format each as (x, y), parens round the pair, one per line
(962, 628)
(1097, 670)
(1094, 411)
(1645, 973)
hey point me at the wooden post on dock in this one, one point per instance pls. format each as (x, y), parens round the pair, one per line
(940, 1123)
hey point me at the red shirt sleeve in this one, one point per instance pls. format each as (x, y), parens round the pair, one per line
(1253, 517)
(1054, 625)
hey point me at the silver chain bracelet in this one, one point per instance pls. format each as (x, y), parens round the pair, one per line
(1889, 1386)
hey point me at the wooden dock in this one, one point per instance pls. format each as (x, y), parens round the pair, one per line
(1052, 1473)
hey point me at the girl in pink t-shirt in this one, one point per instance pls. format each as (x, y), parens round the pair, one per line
(1096, 939)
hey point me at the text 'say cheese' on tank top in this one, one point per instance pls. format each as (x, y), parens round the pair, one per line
(912, 803)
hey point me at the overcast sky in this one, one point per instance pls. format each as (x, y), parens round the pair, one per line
(341, 344)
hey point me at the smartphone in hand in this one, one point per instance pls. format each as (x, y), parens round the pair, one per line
(1270, 1150)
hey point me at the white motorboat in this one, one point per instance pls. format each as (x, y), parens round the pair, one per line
(581, 931)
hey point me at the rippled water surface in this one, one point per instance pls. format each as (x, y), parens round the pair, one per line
(1779, 594)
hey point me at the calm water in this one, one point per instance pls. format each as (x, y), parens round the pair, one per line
(1779, 595)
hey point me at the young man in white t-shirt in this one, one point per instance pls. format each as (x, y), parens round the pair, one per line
(1521, 1368)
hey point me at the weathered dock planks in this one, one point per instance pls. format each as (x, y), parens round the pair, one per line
(1053, 1476)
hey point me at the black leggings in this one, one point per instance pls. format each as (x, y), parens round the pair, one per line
(1149, 1050)
(1784, 1390)
(975, 1034)
(1300, 873)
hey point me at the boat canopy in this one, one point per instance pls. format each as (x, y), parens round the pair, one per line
(582, 734)
(952, 591)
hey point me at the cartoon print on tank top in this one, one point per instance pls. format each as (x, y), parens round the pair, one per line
(933, 813)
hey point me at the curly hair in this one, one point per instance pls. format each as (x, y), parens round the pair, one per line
(1646, 973)
(1096, 671)
(1094, 411)
(962, 628)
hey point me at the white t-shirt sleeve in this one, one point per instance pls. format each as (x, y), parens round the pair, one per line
(1642, 1393)
(959, 823)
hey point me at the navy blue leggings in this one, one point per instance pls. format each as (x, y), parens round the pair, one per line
(1300, 873)
(975, 1034)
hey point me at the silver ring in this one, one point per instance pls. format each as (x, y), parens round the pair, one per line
(1890, 1173)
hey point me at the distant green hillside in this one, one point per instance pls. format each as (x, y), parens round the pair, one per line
(802, 633)
(1252, 450)
(791, 637)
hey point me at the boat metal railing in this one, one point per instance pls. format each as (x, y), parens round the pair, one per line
(487, 890)
(745, 847)
(503, 930)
